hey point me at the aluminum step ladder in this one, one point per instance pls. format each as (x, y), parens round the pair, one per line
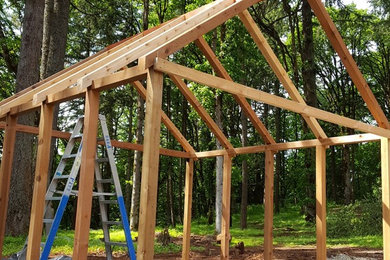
(106, 198)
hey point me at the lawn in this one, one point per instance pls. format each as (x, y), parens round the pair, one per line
(290, 229)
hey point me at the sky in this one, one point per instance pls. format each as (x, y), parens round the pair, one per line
(360, 4)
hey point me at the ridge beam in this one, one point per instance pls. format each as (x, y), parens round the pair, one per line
(258, 95)
(245, 106)
(278, 69)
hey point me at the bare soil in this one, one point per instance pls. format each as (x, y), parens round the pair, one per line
(212, 251)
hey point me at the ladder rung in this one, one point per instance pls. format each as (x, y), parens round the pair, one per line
(69, 156)
(43, 244)
(53, 198)
(102, 160)
(61, 176)
(77, 136)
(48, 220)
(103, 194)
(112, 223)
(72, 192)
(100, 139)
(105, 180)
(115, 243)
(108, 201)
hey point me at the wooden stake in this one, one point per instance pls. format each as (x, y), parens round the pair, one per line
(40, 181)
(268, 204)
(227, 179)
(187, 209)
(385, 156)
(5, 173)
(84, 201)
(321, 201)
(150, 164)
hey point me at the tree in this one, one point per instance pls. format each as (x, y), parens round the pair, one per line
(27, 75)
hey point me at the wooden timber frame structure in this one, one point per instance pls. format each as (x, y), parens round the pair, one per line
(109, 69)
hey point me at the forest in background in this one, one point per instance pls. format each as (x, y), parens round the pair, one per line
(73, 30)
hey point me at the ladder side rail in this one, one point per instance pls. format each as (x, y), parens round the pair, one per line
(62, 205)
(114, 171)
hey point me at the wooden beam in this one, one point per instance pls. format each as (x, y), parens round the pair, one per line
(129, 53)
(115, 143)
(349, 63)
(245, 106)
(321, 201)
(70, 75)
(187, 209)
(235, 88)
(150, 165)
(86, 179)
(226, 194)
(40, 181)
(385, 158)
(167, 122)
(268, 204)
(278, 69)
(203, 114)
(5, 172)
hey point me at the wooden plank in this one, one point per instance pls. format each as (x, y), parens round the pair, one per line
(187, 209)
(268, 204)
(150, 165)
(203, 114)
(86, 179)
(202, 26)
(167, 122)
(5, 172)
(321, 201)
(245, 106)
(226, 194)
(349, 63)
(385, 163)
(129, 53)
(278, 69)
(258, 95)
(40, 181)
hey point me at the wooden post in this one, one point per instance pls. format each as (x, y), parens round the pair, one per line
(187, 209)
(84, 201)
(227, 177)
(321, 201)
(40, 181)
(268, 204)
(150, 164)
(385, 152)
(5, 172)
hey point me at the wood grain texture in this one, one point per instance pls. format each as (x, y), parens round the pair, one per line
(321, 201)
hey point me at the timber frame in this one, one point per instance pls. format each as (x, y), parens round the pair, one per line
(150, 49)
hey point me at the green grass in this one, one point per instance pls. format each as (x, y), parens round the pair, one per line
(290, 229)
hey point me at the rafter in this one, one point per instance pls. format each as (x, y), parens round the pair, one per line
(258, 95)
(245, 106)
(278, 69)
(345, 56)
(203, 114)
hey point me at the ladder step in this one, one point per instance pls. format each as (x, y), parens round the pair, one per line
(73, 192)
(103, 194)
(77, 136)
(53, 198)
(48, 220)
(69, 156)
(105, 180)
(61, 177)
(115, 243)
(43, 244)
(108, 201)
(117, 223)
(102, 160)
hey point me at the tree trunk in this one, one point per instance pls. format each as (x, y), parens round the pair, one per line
(218, 169)
(309, 83)
(135, 198)
(55, 30)
(28, 73)
(244, 168)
